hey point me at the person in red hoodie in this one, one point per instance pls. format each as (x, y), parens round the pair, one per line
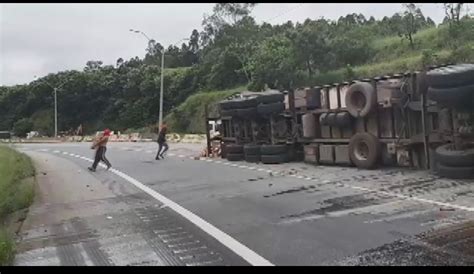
(101, 147)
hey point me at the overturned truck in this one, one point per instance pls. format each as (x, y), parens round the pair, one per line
(422, 119)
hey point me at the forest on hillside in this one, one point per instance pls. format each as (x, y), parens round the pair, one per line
(233, 53)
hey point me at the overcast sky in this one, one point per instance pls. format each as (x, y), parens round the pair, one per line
(37, 39)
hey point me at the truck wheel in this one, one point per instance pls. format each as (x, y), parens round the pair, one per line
(246, 102)
(451, 76)
(246, 112)
(360, 99)
(456, 97)
(274, 159)
(273, 108)
(364, 150)
(228, 112)
(233, 157)
(270, 98)
(331, 119)
(323, 118)
(227, 104)
(251, 150)
(448, 156)
(466, 172)
(252, 158)
(343, 119)
(273, 149)
(234, 149)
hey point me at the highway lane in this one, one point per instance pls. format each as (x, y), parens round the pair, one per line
(296, 214)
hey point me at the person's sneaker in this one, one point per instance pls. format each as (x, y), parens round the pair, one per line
(91, 169)
(162, 157)
(109, 166)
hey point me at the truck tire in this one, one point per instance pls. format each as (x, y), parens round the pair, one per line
(251, 150)
(451, 76)
(270, 98)
(343, 119)
(455, 97)
(274, 159)
(252, 158)
(246, 112)
(273, 108)
(466, 172)
(273, 149)
(227, 104)
(228, 112)
(323, 118)
(246, 102)
(360, 99)
(233, 157)
(447, 156)
(331, 119)
(234, 149)
(364, 150)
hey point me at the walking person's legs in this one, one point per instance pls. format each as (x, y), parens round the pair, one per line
(105, 159)
(164, 150)
(97, 159)
(160, 146)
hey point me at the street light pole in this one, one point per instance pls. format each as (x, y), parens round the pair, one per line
(160, 121)
(55, 90)
(160, 117)
(55, 112)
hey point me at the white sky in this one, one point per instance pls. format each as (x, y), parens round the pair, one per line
(37, 39)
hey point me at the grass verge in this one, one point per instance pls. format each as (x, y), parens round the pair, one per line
(16, 193)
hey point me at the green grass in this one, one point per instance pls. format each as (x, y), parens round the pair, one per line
(16, 193)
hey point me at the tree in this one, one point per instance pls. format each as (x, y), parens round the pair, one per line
(410, 23)
(93, 65)
(453, 12)
(22, 127)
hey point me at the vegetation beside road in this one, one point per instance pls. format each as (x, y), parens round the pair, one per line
(233, 50)
(16, 193)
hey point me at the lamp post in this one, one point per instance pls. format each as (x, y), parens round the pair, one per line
(151, 42)
(55, 90)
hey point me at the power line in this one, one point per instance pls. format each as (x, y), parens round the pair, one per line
(285, 12)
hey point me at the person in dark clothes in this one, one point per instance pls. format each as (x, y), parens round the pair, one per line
(162, 142)
(101, 147)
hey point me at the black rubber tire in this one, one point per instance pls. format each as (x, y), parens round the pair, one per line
(246, 102)
(274, 159)
(466, 172)
(273, 108)
(451, 76)
(227, 104)
(270, 98)
(344, 119)
(322, 119)
(252, 158)
(455, 97)
(233, 157)
(251, 150)
(447, 156)
(357, 106)
(246, 112)
(228, 112)
(273, 149)
(235, 149)
(369, 158)
(331, 119)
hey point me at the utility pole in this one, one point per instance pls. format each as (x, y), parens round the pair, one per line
(150, 42)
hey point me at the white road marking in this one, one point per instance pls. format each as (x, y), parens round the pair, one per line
(260, 169)
(181, 156)
(171, 154)
(57, 151)
(149, 151)
(252, 168)
(218, 162)
(243, 166)
(247, 254)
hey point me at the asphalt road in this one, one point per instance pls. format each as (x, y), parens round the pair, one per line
(291, 214)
